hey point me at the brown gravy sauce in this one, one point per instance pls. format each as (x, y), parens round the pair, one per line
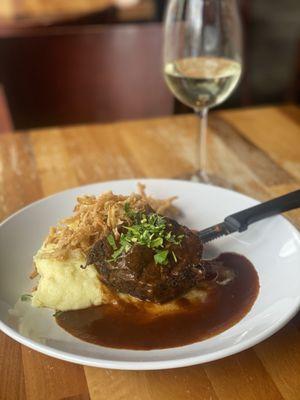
(127, 326)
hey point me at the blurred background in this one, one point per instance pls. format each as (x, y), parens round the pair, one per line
(68, 62)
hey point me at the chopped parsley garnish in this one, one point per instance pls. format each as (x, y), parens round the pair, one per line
(57, 313)
(26, 297)
(174, 256)
(111, 241)
(150, 230)
(161, 257)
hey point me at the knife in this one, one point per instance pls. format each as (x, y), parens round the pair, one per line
(240, 221)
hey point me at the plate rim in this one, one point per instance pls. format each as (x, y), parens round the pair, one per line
(146, 365)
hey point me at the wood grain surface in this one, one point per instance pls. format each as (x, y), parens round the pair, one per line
(49, 11)
(35, 12)
(257, 150)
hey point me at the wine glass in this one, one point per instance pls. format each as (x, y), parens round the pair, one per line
(202, 60)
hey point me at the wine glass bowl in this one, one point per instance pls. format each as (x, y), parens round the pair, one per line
(202, 58)
(202, 82)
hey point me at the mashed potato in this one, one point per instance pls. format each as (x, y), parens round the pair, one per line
(64, 285)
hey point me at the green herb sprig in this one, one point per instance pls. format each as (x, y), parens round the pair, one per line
(150, 230)
(57, 313)
(26, 297)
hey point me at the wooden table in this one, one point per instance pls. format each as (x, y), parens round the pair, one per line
(27, 13)
(45, 11)
(258, 150)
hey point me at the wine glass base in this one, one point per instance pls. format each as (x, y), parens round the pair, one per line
(211, 179)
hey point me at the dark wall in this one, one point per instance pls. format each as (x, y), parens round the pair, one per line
(273, 49)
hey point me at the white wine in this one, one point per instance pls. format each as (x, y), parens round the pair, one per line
(202, 82)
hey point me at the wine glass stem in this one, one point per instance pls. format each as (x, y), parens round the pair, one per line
(202, 145)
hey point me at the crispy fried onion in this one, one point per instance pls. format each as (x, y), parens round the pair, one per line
(94, 217)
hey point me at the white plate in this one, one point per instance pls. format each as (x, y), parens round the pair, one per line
(272, 245)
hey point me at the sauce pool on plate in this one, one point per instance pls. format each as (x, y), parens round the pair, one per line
(127, 326)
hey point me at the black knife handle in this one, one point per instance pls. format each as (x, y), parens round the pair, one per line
(240, 220)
